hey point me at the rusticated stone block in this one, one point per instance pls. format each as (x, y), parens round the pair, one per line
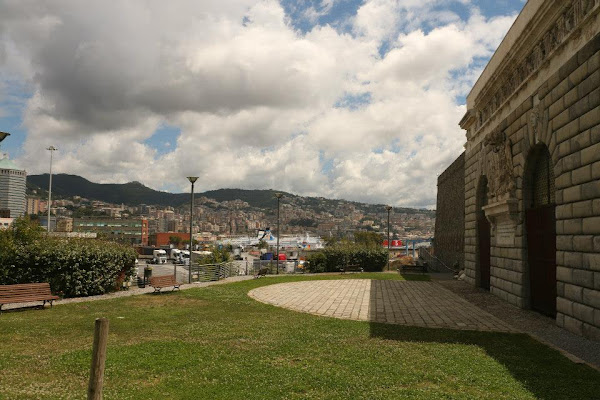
(573, 325)
(564, 242)
(567, 101)
(581, 175)
(591, 332)
(572, 194)
(596, 170)
(579, 108)
(595, 134)
(591, 226)
(591, 83)
(564, 306)
(591, 261)
(590, 119)
(572, 226)
(559, 122)
(559, 105)
(582, 243)
(564, 274)
(574, 293)
(590, 154)
(591, 297)
(582, 209)
(560, 319)
(594, 62)
(583, 313)
(583, 278)
(581, 141)
(590, 190)
(563, 180)
(571, 162)
(574, 260)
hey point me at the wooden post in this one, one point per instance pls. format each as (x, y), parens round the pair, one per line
(98, 359)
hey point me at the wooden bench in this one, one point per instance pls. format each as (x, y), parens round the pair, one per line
(351, 268)
(25, 293)
(159, 282)
(261, 272)
(417, 267)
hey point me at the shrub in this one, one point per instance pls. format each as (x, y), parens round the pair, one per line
(334, 258)
(73, 267)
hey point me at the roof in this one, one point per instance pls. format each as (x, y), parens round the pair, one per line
(6, 163)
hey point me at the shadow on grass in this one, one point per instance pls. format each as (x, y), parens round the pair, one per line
(543, 371)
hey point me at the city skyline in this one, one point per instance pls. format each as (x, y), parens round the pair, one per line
(339, 99)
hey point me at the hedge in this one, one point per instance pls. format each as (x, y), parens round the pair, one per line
(334, 258)
(73, 267)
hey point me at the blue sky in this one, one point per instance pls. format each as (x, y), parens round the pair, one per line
(334, 98)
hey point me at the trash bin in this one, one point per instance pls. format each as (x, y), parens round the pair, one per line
(147, 275)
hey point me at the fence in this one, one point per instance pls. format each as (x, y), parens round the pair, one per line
(285, 266)
(435, 263)
(213, 272)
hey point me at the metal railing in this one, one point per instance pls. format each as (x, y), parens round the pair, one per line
(433, 261)
(213, 272)
(285, 267)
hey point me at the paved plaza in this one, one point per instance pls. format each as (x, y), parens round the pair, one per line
(424, 304)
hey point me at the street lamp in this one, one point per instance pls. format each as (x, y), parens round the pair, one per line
(3, 135)
(52, 149)
(388, 208)
(279, 196)
(192, 180)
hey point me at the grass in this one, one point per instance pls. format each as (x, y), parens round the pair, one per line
(217, 343)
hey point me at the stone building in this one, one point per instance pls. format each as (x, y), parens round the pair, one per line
(449, 236)
(532, 166)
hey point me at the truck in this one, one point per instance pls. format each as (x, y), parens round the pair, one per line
(185, 257)
(159, 256)
(175, 256)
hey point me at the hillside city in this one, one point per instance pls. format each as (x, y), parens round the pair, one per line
(215, 220)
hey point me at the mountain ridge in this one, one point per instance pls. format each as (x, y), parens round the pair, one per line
(135, 193)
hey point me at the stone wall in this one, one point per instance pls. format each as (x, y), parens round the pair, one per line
(450, 214)
(556, 105)
(568, 103)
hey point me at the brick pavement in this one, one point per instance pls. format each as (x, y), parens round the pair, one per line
(425, 304)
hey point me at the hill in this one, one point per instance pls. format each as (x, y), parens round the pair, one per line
(135, 193)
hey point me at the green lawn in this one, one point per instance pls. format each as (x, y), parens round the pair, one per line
(217, 343)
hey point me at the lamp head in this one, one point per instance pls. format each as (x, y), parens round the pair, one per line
(388, 208)
(3, 135)
(192, 179)
(279, 195)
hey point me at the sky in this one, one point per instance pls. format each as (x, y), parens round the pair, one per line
(356, 100)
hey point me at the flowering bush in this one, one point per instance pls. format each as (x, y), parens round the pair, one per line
(73, 267)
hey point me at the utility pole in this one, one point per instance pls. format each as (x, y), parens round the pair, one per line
(388, 208)
(192, 180)
(279, 196)
(52, 149)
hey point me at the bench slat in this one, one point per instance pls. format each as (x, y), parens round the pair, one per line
(25, 293)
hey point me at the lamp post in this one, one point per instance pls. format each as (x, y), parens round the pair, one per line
(388, 208)
(279, 196)
(192, 180)
(52, 149)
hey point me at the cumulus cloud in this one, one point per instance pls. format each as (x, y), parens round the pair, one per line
(258, 103)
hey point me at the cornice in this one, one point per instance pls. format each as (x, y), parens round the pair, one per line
(541, 35)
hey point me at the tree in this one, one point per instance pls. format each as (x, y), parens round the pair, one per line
(174, 239)
(368, 239)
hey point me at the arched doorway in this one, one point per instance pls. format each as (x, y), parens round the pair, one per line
(483, 237)
(540, 222)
